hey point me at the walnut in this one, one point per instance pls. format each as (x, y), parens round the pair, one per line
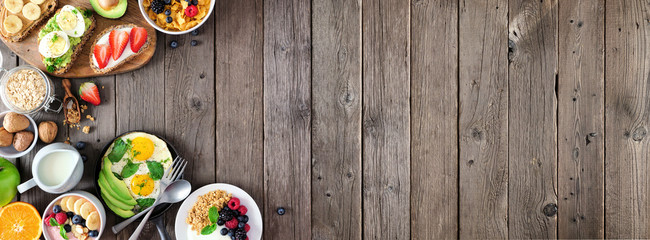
(6, 138)
(22, 140)
(47, 131)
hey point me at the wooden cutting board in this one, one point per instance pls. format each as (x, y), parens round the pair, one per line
(28, 48)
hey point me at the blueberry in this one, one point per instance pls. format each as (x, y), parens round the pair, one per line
(281, 211)
(231, 232)
(195, 32)
(168, 19)
(226, 208)
(70, 214)
(93, 233)
(241, 225)
(167, 2)
(233, 238)
(83, 222)
(195, 2)
(56, 209)
(194, 43)
(173, 44)
(76, 219)
(67, 228)
(84, 158)
(168, 12)
(220, 222)
(224, 231)
(80, 145)
(245, 219)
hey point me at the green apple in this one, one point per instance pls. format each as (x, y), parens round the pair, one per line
(9, 180)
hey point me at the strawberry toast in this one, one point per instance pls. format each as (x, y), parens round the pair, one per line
(116, 45)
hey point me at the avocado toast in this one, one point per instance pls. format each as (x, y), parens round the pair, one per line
(14, 27)
(62, 38)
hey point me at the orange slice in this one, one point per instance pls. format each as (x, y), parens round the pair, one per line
(20, 220)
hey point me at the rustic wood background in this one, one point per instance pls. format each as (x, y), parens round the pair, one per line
(397, 119)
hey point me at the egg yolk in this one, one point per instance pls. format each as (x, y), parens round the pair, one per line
(56, 45)
(142, 184)
(142, 148)
(66, 20)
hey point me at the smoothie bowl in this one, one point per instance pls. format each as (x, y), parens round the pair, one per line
(77, 215)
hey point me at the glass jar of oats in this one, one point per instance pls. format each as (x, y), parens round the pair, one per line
(27, 90)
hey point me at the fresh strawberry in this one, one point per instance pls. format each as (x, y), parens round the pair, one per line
(191, 11)
(137, 38)
(102, 53)
(233, 203)
(89, 93)
(232, 224)
(61, 217)
(47, 219)
(242, 210)
(118, 41)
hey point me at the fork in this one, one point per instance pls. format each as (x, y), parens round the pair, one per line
(171, 174)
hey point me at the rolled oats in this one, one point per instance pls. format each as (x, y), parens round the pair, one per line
(26, 89)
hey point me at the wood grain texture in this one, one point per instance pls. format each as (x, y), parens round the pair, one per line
(483, 80)
(239, 78)
(627, 111)
(581, 119)
(336, 123)
(532, 130)
(386, 121)
(27, 49)
(140, 105)
(287, 118)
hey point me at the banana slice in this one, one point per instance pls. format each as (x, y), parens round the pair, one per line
(14, 6)
(31, 11)
(77, 205)
(93, 222)
(37, 1)
(70, 203)
(86, 209)
(64, 204)
(13, 24)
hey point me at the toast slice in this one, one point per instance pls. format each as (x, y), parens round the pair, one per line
(79, 47)
(47, 8)
(107, 31)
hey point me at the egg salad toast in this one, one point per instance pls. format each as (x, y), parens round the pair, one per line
(116, 45)
(62, 38)
(19, 17)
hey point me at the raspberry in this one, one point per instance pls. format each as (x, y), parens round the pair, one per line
(247, 227)
(233, 203)
(191, 11)
(61, 217)
(232, 224)
(47, 219)
(242, 210)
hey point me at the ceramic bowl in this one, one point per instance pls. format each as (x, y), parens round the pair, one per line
(143, 11)
(94, 200)
(10, 151)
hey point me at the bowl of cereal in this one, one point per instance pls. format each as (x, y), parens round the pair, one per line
(176, 17)
(27, 90)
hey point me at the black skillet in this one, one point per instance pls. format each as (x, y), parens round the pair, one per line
(158, 214)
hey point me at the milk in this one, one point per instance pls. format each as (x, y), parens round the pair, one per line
(56, 167)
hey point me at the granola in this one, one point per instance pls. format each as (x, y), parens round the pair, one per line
(197, 217)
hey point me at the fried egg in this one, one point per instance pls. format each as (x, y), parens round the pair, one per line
(143, 149)
(71, 21)
(54, 44)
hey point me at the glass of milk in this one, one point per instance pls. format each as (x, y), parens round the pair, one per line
(57, 168)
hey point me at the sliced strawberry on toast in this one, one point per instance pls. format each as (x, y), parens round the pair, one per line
(137, 37)
(118, 41)
(89, 92)
(102, 53)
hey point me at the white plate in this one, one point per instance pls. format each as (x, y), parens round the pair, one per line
(254, 215)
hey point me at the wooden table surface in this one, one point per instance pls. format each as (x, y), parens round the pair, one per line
(397, 119)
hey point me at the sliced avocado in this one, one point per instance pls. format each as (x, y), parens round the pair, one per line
(118, 186)
(109, 191)
(113, 12)
(113, 201)
(120, 212)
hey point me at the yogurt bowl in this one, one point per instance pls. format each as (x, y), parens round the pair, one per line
(81, 204)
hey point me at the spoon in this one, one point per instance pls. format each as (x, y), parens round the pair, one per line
(70, 104)
(175, 192)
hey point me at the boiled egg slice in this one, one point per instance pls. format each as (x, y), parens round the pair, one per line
(71, 21)
(54, 44)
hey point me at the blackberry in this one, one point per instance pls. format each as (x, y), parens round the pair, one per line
(240, 234)
(157, 6)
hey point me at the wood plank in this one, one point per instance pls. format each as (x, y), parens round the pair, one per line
(26, 48)
(140, 105)
(239, 79)
(386, 128)
(532, 130)
(581, 120)
(287, 118)
(336, 123)
(483, 80)
(627, 108)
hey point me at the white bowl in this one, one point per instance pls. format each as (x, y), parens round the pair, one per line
(83, 194)
(154, 25)
(10, 152)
